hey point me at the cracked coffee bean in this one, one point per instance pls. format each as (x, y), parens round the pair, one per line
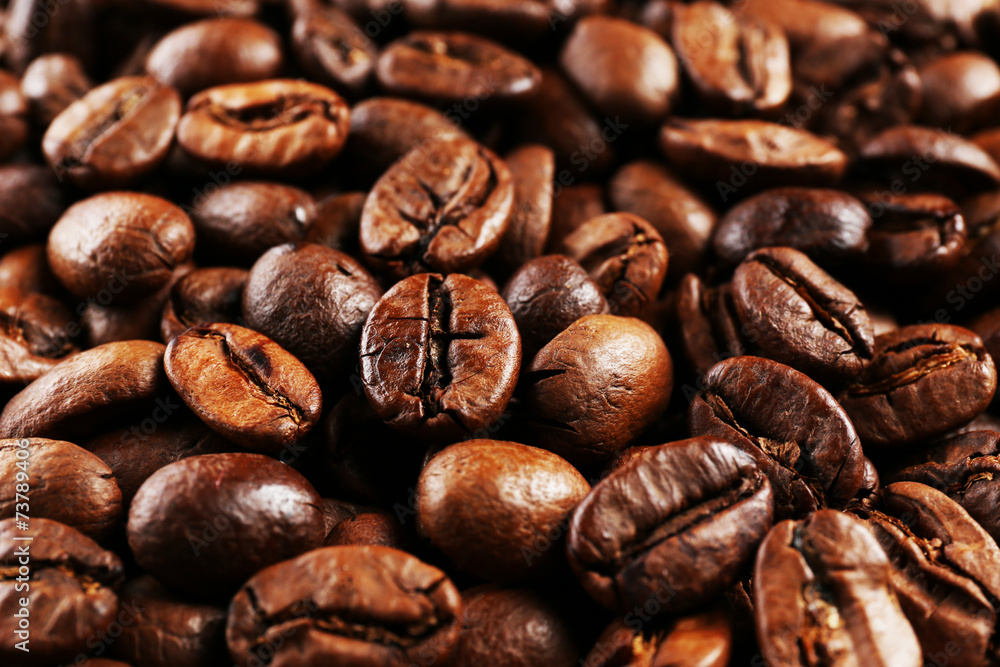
(244, 386)
(440, 357)
(34, 335)
(364, 606)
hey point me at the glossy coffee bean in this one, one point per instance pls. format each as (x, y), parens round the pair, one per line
(485, 503)
(31, 202)
(115, 134)
(71, 591)
(808, 22)
(36, 335)
(338, 221)
(924, 380)
(13, 115)
(51, 83)
(334, 49)
(78, 397)
(443, 207)
(574, 205)
(597, 386)
(440, 356)
(208, 7)
(277, 126)
(27, 269)
(313, 301)
(798, 434)
(384, 607)
(65, 484)
(244, 386)
(119, 245)
(532, 168)
(810, 577)
(203, 295)
(638, 535)
(204, 524)
(350, 524)
(961, 91)
(710, 328)
(495, 18)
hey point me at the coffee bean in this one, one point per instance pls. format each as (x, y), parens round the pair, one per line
(204, 524)
(440, 356)
(349, 524)
(209, 7)
(574, 206)
(961, 91)
(51, 83)
(13, 116)
(333, 49)
(30, 202)
(27, 269)
(33, 27)
(367, 605)
(807, 22)
(338, 222)
(203, 295)
(35, 335)
(244, 386)
(531, 168)
(710, 328)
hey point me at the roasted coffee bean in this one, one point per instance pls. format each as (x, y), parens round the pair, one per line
(333, 49)
(548, 294)
(796, 314)
(13, 116)
(682, 218)
(51, 83)
(239, 50)
(115, 134)
(515, 21)
(203, 295)
(798, 434)
(961, 91)
(33, 27)
(71, 591)
(828, 225)
(65, 483)
(572, 207)
(751, 153)
(209, 7)
(625, 256)
(338, 222)
(35, 335)
(443, 207)
(365, 606)
(119, 246)
(516, 627)
(807, 22)
(279, 127)
(349, 524)
(205, 524)
(532, 168)
(453, 67)
(244, 386)
(27, 269)
(638, 536)
(737, 64)
(80, 395)
(30, 202)
(487, 503)
(924, 380)
(623, 69)
(313, 301)
(597, 386)
(440, 356)
(709, 326)
(822, 591)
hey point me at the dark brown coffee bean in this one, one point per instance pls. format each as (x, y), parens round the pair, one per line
(515, 21)
(925, 380)
(333, 49)
(115, 134)
(796, 314)
(13, 116)
(51, 83)
(485, 504)
(453, 67)
(828, 225)
(349, 524)
(737, 63)
(709, 326)
(754, 153)
(209, 7)
(807, 22)
(516, 627)
(443, 207)
(30, 202)
(33, 27)
(27, 269)
(338, 222)
(244, 386)
(625, 256)
(238, 50)
(961, 91)
(69, 592)
(365, 606)
(119, 245)
(203, 295)
(822, 588)
(798, 434)
(638, 536)
(532, 168)
(927, 23)
(204, 524)
(573, 206)
(623, 69)
(313, 301)
(280, 126)
(548, 294)
(440, 356)
(36, 333)
(682, 218)
(597, 386)
(80, 395)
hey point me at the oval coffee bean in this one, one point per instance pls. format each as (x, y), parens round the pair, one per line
(31, 201)
(34, 336)
(710, 329)
(498, 509)
(279, 126)
(640, 533)
(924, 380)
(443, 207)
(13, 116)
(205, 524)
(51, 83)
(440, 357)
(364, 606)
(961, 91)
(115, 134)
(349, 524)
(333, 49)
(203, 295)
(244, 386)
(119, 245)
(532, 168)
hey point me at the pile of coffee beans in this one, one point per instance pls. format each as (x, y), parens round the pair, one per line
(499, 333)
